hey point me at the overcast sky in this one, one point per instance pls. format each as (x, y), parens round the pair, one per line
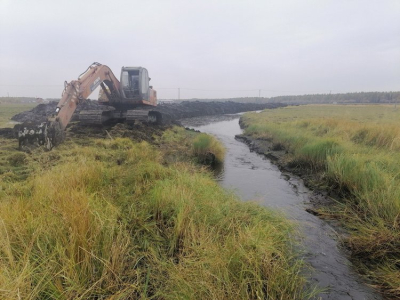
(206, 48)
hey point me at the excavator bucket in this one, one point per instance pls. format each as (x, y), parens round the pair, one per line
(47, 134)
(55, 134)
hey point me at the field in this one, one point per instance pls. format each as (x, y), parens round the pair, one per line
(7, 110)
(355, 151)
(117, 218)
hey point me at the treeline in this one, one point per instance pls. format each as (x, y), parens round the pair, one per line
(360, 97)
(240, 100)
(17, 99)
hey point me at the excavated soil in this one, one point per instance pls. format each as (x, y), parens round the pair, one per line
(41, 112)
(190, 109)
(172, 113)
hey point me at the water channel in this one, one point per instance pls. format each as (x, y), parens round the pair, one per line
(255, 178)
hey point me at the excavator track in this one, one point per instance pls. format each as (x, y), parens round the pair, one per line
(99, 117)
(146, 116)
(95, 117)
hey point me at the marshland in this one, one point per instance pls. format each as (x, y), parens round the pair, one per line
(352, 153)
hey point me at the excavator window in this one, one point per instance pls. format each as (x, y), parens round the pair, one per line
(125, 80)
(130, 83)
(145, 84)
(135, 84)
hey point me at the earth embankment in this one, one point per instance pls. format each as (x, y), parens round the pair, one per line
(186, 109)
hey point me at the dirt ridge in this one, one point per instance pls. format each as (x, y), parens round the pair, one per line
(185, 109)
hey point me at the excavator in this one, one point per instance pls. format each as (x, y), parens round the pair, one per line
(128, 100)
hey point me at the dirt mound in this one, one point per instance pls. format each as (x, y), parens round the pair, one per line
(186, 109)
(37, 114)
(190, 109)
(41, 112)
(7, 133)
(171, 114)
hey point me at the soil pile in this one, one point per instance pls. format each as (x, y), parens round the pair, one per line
(172, 112)
(190, 109)
(40, 113)
(7, 133)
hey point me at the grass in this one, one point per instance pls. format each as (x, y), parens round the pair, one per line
(125, 220)
(205, 146)
(179, 144)
(356, 150)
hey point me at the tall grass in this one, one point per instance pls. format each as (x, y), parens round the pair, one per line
(207, 148)
(356, 149)
(182, 144)
(111, 220)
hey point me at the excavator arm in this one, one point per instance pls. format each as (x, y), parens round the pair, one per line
(76, 91)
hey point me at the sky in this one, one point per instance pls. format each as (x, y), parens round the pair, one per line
(203, 49)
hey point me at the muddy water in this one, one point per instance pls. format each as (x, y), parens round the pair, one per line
(253, 177)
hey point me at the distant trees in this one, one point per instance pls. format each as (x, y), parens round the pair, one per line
(17, 99)
(360, 97)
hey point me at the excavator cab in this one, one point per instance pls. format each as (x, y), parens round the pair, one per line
(135, 83)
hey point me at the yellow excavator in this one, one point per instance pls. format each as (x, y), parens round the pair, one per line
(128, 100)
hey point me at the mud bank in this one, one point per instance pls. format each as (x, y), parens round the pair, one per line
(186, 109)
(190, 109)
(322, 197)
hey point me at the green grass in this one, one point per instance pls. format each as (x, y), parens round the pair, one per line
(7, 110)
(355, 149)
(125, 220)
(179, 144)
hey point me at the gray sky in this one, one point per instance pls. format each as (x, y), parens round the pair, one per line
(207, 48)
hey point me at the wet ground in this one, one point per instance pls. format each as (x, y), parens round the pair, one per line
(254, 177)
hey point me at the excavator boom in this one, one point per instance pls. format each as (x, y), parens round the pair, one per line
(77, 90)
